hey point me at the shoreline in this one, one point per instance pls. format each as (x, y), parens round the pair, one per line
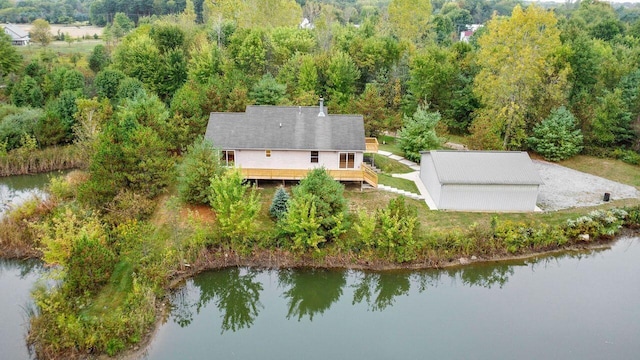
(162, 309)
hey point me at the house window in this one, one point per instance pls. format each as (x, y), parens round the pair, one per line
(347, 160)
(314, 156)
(267, 153)
(228, 157)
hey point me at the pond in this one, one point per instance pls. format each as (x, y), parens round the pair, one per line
(16, 189)
(17, 278)
(566, 306)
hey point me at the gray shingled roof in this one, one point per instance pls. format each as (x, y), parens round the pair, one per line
(15, 32)
(485, 167)
(286, 128)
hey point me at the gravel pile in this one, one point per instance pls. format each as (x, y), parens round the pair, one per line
(567, 188)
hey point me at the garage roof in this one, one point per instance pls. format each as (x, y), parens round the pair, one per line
(484, 167)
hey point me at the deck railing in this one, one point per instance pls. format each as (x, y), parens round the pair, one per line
(365, 174)
(371, 144)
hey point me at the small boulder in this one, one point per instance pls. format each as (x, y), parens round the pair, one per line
(464, 261)
(583, 237)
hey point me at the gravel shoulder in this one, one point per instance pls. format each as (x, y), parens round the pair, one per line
(566, 188)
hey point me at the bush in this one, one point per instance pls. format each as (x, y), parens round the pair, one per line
(628, 156)
(279, 203)
(200, 163)
(328, 196)
(107, 82)
(396, 229)
(418, 133)
(15, 125)
(597, 223)
(556, 138)
(236, 206)
(89, 265)
(301, 223)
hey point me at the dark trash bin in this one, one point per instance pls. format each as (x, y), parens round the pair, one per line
(606, 197)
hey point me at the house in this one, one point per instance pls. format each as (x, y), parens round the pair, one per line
(18, 36)
(466, 35)
(285, 142)
(504, 181)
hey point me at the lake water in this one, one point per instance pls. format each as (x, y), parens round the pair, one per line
(17, 277)
(16, 189)
(570, 306)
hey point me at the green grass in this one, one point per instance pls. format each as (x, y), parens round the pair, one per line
(390, 166)
(458, 139)
(115, 292)
(388, 143)
(402, 184)
(611, 169)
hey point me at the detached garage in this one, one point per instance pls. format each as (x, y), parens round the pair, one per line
(480, 180)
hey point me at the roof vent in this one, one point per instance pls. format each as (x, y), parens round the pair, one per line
(321, 113)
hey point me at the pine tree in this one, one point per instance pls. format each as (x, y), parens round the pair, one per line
(279, 204)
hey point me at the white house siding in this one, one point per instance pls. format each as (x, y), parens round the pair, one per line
(429, 177)
(488, 197)
(290, 159)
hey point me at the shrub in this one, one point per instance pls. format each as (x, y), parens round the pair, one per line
(418, 133)
(236, 206)
(628, 156)
(556, 138)
(328, 196)
(597, 223)
(302, 224)
(89, 265)
(396, 229)
(279, 203)
(107, 82)
(128, 205)
(14, 126)
(200, 163)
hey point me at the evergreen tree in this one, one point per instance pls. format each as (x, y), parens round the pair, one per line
(279, 204)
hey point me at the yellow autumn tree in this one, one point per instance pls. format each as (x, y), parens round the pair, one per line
(520, 81)
(409, 19)
(254, 13)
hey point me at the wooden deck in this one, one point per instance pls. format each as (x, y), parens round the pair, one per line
(365, 174)
(371, 144)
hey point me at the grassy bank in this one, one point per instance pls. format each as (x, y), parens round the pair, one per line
(49, 159)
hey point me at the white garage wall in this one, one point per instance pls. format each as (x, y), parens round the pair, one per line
(488, 197)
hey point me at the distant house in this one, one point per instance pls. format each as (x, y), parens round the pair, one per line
(466, 35)
(504, 181)
(18, 36)
(285, 142)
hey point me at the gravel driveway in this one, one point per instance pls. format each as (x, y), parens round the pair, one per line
(567, 188)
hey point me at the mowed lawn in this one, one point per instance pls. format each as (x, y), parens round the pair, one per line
(611, 169)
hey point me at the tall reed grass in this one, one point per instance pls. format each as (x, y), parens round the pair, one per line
(20, 162)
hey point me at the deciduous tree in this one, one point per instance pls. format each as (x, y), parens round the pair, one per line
(410, 18)
(10, 60)
(518, 79)
(41, 32)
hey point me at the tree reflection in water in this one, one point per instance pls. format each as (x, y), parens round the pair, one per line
(380, 289)
(234, 291)
(311, 291)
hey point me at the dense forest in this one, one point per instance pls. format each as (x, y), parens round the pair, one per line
(577, 62)
(130, 113)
